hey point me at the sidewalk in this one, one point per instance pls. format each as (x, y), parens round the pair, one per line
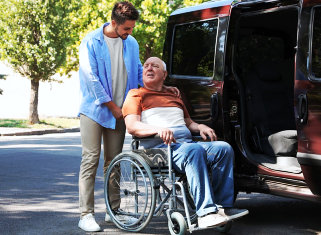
(10, 131)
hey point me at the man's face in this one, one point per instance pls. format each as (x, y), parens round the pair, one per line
(125, 29)
(153, 73)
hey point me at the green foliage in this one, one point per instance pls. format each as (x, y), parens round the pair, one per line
(35, 35)
(14, 123)
(150, 29)
(44, 123)
(41, 37)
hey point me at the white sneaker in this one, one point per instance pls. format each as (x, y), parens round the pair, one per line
(232, 213)
(211, 220)
(88, 223)
(121, 218)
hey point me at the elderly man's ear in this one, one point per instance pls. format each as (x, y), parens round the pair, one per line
(165, 75)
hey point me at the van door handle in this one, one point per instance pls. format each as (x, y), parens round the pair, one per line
(303, 109)
(214, 106)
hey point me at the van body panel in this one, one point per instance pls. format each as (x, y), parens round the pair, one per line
(220, 7)
(307, 96)
(260, 90)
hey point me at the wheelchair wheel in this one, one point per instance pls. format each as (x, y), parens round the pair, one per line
(179, 224)
(129, 190)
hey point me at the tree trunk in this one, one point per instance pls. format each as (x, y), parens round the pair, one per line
(33, 107)
(148, 52)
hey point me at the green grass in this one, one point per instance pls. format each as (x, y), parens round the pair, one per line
(46, 123)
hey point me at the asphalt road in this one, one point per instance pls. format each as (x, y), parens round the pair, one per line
(39, 194)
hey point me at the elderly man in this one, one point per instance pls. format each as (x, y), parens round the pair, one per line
(152, 110)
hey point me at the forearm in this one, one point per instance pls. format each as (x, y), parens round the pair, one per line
(88, 75)
(140, 129)
(137, 128)
(115, 110)
(193, 126)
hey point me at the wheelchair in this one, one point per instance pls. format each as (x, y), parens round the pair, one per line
(148, 186)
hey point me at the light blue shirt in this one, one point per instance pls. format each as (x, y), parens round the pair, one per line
(95, 75)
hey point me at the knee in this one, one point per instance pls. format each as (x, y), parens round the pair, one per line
(228, 149)
(224, 147)
(194, 151)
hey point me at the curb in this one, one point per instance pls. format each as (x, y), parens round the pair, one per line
(41, 132)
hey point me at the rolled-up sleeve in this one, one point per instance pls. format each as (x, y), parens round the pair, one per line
(89, 76)
(132, 104)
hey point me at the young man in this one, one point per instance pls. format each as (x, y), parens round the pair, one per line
(152, 110)
(109, 67)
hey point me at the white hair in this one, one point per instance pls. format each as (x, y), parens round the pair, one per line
(164, 65)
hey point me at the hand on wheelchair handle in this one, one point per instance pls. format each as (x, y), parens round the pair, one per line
(166, 135)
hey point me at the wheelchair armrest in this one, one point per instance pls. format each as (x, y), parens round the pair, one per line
(150, 137)
(136, 139)
(197, 137)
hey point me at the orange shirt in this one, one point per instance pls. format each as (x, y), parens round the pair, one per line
(142, 99)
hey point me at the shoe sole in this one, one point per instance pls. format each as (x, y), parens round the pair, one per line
(215, 225)
(237, 216)
(94, 230)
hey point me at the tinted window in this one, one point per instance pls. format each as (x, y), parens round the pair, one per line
(254, 49)
(194, 49)
(316, 44)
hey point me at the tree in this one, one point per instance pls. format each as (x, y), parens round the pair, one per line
(41, 37)
(35, 37)
(149, 31)
(2, 76)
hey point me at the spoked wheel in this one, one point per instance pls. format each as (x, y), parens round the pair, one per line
(129, 192)
(224, 228)
(179, 226)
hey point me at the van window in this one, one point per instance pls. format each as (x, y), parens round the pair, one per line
(316, 44)
(194, 49)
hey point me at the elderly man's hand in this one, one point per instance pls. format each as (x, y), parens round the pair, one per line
(166, 135)
(207, 131)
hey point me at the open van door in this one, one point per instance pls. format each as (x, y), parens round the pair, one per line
(194, 52)
(308, 93)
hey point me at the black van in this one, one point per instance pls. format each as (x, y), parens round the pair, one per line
(251, 70)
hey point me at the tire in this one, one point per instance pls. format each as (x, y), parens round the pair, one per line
(179, 222)
(130, 175)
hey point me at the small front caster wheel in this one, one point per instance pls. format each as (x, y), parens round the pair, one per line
(179, 224)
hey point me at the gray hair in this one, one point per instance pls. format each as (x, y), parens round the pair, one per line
(164, 65)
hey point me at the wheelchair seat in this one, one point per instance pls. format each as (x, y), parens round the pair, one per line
(155, 158)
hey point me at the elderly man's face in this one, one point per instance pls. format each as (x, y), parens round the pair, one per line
(153, 73)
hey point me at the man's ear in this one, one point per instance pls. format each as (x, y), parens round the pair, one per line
(165, 75)
(113, 23)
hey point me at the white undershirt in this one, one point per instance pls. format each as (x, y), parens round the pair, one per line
(163, 116)
(118, 69)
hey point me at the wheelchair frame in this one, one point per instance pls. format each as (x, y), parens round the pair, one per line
(141, 173)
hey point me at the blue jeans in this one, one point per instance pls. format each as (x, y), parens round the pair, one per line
(209, 170)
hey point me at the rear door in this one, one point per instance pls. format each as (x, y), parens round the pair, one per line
(194, 52)
(308, 93)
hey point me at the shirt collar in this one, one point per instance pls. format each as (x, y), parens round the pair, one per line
(100, 35)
